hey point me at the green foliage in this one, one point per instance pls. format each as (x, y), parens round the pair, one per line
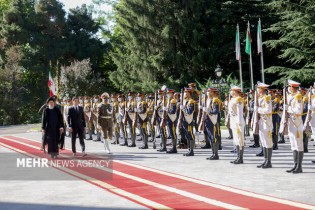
(296, 41)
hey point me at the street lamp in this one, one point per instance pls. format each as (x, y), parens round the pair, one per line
(219, 82)
(218, 71)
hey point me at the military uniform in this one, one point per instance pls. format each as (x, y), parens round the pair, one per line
(94, 116)
(88, 119)
(237, 124)
(105, 120)
(120, 119)
(159, 108)
(295, 126)
(116, 121)
(275, 122)
(131, 105)
(142, 119)
(264, 109)
(305, 110)
(151, 128)
(187, 122)
(220, 103)
(171, 120)
(195, 96)
(211, 124)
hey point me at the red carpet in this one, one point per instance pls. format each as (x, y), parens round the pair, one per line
(175, 198)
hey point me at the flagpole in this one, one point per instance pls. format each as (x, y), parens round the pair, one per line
(250, 62)
(240, 59)
(261, 55)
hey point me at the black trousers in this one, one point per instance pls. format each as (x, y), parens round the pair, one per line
(74, 138)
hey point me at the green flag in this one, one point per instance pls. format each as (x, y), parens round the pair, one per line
(248, 41)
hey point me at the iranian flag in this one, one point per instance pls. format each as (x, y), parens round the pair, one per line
(51, 85)
(248, 41)
(237, 44)
(259, 39)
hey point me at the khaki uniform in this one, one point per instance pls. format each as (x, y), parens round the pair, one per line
(105, 120)
(88, 119)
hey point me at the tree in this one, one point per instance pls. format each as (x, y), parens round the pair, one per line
(296, 40)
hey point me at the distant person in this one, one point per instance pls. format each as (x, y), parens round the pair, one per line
(76, 125)
(52, 127)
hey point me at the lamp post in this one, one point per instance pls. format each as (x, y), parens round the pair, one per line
(219, 82)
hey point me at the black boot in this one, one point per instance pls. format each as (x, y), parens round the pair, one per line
(216, 151)
(207, 145)
(295, 161)
(275, 142)
(260, 154)
(173, 150)
(305, 142)
(256, 141)
(299, 163)
(240, 160)
(265, 157)
(269, 155)
(188, 146)
(144, 147)
(282, 141)
(238, 155)
(191, 151)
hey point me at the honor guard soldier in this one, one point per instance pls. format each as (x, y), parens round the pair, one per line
(217, 97)
(186, 120)
(88, 119)
(121, 117)
(226, 114)
(81, 101)
(116, 124)
(171, 120)
(275, 117)
(211, 111)
(159, 109)
(237, 122)
(303, 91)
(151, 128)
(141, 119)
(294, 108)
(264, 110)
(131, 106)
(105, 119)
(195, 96)
(280, 93)
(96, 102)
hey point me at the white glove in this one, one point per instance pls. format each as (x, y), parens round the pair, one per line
(285, 106)
(155, 107)
(204, 108)
(312, 108)
(165, 109)
(181, 107)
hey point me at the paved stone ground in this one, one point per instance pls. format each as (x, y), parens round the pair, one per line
(79, 194)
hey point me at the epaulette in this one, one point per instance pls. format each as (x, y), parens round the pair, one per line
(267, 98)
(173, 101)
(276, 100)
(144, 103)
(298, 97)
(239, 99)
(215, 100)
(305, 99)
(191, 101)
(313, 96)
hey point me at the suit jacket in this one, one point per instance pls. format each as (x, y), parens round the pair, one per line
(76, 119)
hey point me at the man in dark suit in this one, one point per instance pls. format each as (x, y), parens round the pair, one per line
(76, 125)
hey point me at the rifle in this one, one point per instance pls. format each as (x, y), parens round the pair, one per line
(126, 111)
(248, 111)
(227, 117)
(203, 117)
(307, 126)
(181, 114)
(284, 120)
(200, 113)
(164, 116)
(256, 115)
(154, 116)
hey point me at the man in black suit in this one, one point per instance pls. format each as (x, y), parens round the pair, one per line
(76, 125)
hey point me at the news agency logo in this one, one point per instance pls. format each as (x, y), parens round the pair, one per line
(45, 163)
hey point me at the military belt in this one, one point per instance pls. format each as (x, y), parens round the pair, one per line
(107, 117)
